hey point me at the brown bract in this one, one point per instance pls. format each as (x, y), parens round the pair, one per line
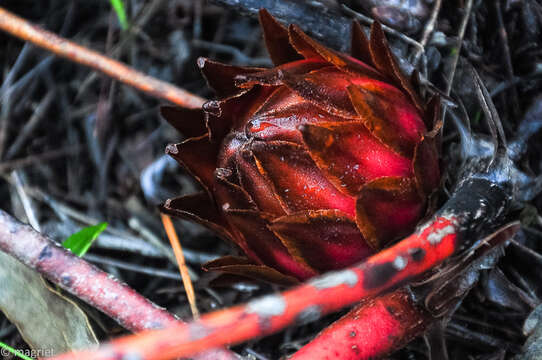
(311, 165)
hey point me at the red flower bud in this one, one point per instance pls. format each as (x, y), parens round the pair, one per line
(311, 165)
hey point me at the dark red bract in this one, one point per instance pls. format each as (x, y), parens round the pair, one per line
(312, 165)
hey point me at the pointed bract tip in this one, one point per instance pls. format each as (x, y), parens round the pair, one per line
(171, 149)
(212, 107)
(201, 62)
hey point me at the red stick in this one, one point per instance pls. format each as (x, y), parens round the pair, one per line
(477, 207)
(371, 330)
(412, 256)
(90, 284)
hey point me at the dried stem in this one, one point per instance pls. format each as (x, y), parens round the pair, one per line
(41, 158)
(183, 269)
(24, 30)
(507, 58)
(388, 30)
(460, 37)
(453, 230)
(428, 30)
(85, 281)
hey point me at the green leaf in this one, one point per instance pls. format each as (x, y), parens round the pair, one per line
(118, 6)
(80, 242)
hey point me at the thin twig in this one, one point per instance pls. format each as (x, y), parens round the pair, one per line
(27, 204)
(31, 124)
(127, 245)
(119, 239)
(137, 226)
(13, 89)
(461, 35)
(142, 17)
(507, 58)
(183, 269)
(5, 98)
(85, 281)
(166, 274)
(23, 29)
(191, 256)
(368, 21)
(428, 30)
(238, 56)
(113, 238)
(39, 158)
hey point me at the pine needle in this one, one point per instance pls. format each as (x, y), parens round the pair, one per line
(183, 269)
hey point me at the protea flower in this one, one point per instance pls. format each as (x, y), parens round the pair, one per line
(311, 165)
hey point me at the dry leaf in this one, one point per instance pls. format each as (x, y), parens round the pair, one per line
(46, 320)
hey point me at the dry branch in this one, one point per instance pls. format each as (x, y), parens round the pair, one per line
(85, 281)
(25, 30)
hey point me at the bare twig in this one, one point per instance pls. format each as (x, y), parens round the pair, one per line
(428, 30)
(41, 158)
(166, 274)
(27, 204)
(127, 245)
(368, 21)
(31, 125)
(238, 56)
(4, 95)
(85, 281)
(460, 36)
(137, 226)
(13, 89)
(507, 59)
(142, 17)
(22, 29)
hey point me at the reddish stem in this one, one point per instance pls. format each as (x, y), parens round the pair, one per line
(85, 281)
(371, 330)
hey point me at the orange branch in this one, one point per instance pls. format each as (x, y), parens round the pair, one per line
(25, 30)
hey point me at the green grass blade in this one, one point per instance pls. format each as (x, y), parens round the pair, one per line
(118, 6)
(80, 242)
(14, 352)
